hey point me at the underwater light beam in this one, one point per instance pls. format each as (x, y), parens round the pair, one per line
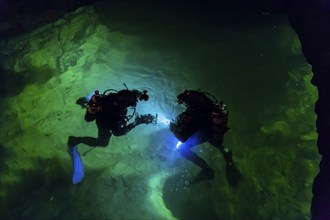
(156, 184)
(162, 120)
(178, 145)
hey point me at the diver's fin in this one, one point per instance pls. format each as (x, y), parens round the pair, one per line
(78, 169)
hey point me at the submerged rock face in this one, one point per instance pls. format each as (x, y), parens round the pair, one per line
(19, 16)
(311, 21)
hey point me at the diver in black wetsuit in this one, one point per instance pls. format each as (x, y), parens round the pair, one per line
(110, 113)
(203, 120)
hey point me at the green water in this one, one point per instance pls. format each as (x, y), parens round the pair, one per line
(253, 62)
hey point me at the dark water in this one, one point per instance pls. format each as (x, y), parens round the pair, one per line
(230, 52)
(252, 61)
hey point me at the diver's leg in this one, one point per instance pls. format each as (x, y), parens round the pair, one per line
(207, 172)
(232, 173)
(217, 141)
(228, 155)
(191, 156)
(185, 149)
(102, 139)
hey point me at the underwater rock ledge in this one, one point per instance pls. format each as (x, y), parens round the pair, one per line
(311, 21)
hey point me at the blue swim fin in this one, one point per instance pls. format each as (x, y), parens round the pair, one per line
(78, 169)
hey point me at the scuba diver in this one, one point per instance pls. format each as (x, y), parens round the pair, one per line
(109, 111)
(204, 120)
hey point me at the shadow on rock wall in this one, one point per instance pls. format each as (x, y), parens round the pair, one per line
(12, 83)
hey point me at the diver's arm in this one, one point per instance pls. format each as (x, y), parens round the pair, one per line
(89, 117)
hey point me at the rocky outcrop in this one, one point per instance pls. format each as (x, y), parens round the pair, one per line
(19, 16)
(311, 21)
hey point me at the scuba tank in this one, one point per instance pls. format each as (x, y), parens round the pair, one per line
(196, 116)
(219, 116)
(118, 101)
(94, 105)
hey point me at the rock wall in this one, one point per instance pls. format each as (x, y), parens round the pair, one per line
(311, 20)
(19, 16)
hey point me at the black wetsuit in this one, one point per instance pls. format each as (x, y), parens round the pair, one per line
(196, 125)
(111, 119)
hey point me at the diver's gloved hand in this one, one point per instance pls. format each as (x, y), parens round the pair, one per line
(141, 95)
(82, 101)
(146, 119)
(144, 96)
